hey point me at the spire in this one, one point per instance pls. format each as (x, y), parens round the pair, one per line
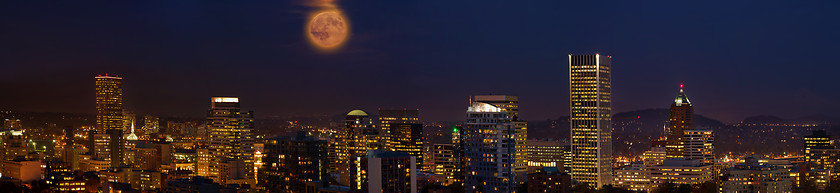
(132, 136)
(682, 99)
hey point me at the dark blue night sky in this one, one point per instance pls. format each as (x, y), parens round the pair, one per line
(736, 58)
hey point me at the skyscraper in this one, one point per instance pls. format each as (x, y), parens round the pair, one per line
(390, 116)
(362, 134)
(590, 118)
(109, 119)
(231, 142)
(520, 135)
(492, 152)
(680, 119)
(403, 131)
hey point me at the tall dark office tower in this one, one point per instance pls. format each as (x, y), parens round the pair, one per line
(290, 162)
(231, 142)
(590, 116)
(384, 171)
(390, 116)
(492, 133)
(109, 119)
(403, 131)
(680, 120)
(408, 138)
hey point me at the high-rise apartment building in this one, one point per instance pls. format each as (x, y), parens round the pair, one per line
(681, 118)
(590, 118)
(494, 158)
(699, 145)
(231, 142)
(109, 119)
(520, 132)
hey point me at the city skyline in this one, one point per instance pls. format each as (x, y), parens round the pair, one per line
(329, 96)
(743, 50)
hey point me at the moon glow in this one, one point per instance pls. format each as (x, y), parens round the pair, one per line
(327, 29)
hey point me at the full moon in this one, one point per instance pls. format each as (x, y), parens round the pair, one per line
(327, 29)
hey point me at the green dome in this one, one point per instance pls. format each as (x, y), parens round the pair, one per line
(357, 113)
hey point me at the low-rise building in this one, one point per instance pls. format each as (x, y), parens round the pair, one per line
(680, 171)
(24, 170)
(549, 180)
(755, 177)
(634, 177)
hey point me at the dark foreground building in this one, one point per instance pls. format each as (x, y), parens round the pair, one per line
(291, 162)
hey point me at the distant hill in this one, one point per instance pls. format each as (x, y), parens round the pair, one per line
(633, 131)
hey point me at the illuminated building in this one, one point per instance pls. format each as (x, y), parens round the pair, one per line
(65, 182)
(821, 153)
(653, 157)
(634, 177)
(408, 138)
(291, 162)
(231, 142)
(337, 152)
(389, 116)
(520, 133)
(403, 131)
(362, 134)
(458, 154)
(384, 172)
(445, 162)
(492, 154)
(825, 159)
(818, 140)
(101, 147)
(699, 145)
(756, 177)
(143, 180)
(151, 124)
(97, 165)
(590, 119)
(147, 157)
(543, 153)
(109, 119)
(24, 170)
(202, 164)
(358, 137)
(681, 118)
(14, 145)
(12, 124)
(549, 180)
(680, 171)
